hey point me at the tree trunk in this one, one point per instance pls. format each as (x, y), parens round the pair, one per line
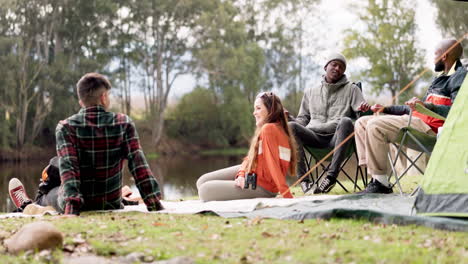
(158, 129)
(395, 100)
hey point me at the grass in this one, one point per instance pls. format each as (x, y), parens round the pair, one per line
(211, 239)
(152, 155)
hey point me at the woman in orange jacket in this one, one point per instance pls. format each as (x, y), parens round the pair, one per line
(271, 156)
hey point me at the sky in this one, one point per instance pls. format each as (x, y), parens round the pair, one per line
(335, 16)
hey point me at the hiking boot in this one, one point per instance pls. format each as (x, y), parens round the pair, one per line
(306, 186)
(376, 187)
(326, 185)
(17, 193)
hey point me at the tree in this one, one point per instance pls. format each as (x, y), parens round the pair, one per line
(278, 27)
(196, 118)
(46, 46)
(388, 44)
(161, 31)
(452, 18)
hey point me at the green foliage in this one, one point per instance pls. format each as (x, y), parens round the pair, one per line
(45, 47)
(292, 102)
(388, 44)
(225, 152)
(199, 118)
(452, 17)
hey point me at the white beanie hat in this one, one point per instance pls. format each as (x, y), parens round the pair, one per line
(335, 56)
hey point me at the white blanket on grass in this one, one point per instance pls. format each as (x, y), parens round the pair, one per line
(197, 206)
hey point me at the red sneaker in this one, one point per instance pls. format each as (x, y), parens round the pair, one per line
(17, 192)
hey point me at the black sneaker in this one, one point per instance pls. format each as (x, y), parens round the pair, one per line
(306, 186)
(376, 187)
(326, 185)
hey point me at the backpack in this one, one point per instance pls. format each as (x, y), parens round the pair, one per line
(50, 176)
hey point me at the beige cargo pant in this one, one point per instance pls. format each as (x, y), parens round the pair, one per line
(220, 186)
(373, 135)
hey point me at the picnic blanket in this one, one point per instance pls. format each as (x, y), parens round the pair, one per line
(380, 208)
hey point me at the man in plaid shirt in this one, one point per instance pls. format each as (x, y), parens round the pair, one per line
(92, 146)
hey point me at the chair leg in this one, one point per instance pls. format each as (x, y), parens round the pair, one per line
(395, 173)
(416, 190)
(308, 161)
(346, 174)
(364, 176)
(413, 164)
(393, 162)
(339, 183)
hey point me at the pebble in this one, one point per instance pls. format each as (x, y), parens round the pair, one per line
(89, 260)
(176, 260)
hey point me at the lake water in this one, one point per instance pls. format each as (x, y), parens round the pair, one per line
(177, 175)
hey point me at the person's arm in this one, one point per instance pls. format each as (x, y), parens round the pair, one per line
(242, 169)
(138, 166)
(303, 117)
(272, 159)
(358, 103)
(69, 170)
(443, 110)
(396, 110)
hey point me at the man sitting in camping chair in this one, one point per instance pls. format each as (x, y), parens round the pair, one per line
(374, 133)
(324, 119)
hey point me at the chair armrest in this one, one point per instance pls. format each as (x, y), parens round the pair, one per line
(423, 110)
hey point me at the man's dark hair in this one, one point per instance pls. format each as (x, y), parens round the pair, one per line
(90, 88)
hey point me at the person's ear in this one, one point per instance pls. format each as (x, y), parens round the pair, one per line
(81, 103)
(103, 98)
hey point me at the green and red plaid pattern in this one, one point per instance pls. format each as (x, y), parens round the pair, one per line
(92, 146)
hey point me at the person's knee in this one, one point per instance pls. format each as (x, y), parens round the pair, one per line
(374, 127)
(293, 125)
(361, 123)
(346, 123)
(200, 181)
(206, 191)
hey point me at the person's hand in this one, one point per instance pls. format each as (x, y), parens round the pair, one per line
(412, 102)
(128, 195)
(126, 191)
(133, 199)
(377, 108)
(240, 182)
(364, 107)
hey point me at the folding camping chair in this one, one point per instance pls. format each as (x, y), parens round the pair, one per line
(314, 155)
(413, 139)
(317, 154)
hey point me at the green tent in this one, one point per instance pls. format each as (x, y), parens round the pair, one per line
(444, 189)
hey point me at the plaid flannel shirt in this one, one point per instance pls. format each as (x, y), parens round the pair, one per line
(92, 146)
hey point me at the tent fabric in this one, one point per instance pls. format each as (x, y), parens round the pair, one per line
(444, 189)
(377, 208)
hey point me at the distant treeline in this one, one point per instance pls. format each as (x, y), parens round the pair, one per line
(235, 48)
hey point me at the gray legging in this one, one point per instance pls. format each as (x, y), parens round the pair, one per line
(220, 186)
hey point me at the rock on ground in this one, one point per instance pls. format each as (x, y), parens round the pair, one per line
(34, 236)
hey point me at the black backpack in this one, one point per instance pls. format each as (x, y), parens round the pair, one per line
(50, 176)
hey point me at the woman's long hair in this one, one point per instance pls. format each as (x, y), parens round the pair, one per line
(275, 115)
